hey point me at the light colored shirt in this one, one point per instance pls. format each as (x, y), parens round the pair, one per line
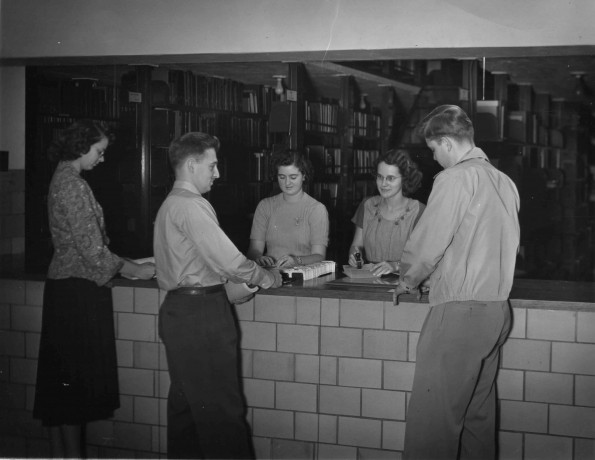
(78, 230)
(468, 237)
(290, 227)
(191, 249)
(385, 239)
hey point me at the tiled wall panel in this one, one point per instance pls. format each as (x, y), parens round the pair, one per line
(323, 378)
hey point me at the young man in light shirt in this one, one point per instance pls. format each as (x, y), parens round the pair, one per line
(464, 248)
(194, 258)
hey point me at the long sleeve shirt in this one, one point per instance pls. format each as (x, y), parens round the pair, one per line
(191, 249)
(467, 239)
(78, 230)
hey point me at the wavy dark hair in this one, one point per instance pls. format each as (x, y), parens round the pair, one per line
(76, 140)
(410, 173)
(446, 120)
(291, 158)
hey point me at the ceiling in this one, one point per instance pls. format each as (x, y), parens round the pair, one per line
(547, 74)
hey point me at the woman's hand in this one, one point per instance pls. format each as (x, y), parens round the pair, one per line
(265, 261)
(132, 270)
(384, 268)
(352, 260)
(145, 271)
(286, 261)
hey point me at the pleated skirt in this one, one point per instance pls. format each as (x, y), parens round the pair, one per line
(77, 372)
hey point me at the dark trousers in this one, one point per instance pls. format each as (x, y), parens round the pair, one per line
(206, 408)
(452, 410)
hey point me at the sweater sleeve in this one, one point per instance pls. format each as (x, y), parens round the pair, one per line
(85, 221)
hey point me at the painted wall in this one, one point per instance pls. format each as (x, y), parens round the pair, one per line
(150, 27)
(12, 115)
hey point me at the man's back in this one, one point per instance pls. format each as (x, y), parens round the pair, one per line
(475, 209)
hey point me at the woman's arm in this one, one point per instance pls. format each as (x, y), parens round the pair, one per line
(385, 268)
(256, 251)
(132, 270)
(356, 244)
(289, 260)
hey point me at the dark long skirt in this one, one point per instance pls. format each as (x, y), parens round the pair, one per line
(77, 374)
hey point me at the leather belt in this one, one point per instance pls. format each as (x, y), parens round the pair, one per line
(197, 290)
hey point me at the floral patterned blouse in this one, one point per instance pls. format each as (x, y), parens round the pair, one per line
(78, 230)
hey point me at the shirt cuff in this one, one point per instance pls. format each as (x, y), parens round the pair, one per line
(406, 287)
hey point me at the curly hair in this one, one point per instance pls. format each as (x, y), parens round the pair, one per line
(447, 120)
(291, 158)
(76, 140)
(410, 173)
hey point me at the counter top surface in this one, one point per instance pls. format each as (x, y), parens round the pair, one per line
(528, 293)
(551, 294)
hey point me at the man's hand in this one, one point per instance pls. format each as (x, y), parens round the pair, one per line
(278, 279)
(402, 289)
(399, 289)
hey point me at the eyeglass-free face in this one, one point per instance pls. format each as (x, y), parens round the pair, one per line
(290, 180)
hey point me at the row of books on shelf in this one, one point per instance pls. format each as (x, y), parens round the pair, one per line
(540, 157)
(187, 88)
(259, 164)
(325, 192)
(361, 190)
(325, 160)
(170, 124)
(321, 116)
(363, 161)
(258, 99)
(525, 127)
(364, 124)
(82, 98)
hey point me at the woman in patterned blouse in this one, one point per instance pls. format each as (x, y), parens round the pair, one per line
(77, 378)
(384, 222)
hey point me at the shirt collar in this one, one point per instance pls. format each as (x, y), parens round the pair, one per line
(474, 153)
(186, 186)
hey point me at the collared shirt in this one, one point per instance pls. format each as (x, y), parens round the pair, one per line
(78, 230)
(468, 237)
(191, 249)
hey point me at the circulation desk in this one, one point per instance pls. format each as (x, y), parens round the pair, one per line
(327, 371)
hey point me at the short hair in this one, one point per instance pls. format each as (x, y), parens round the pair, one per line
(291, 158)
(410, 173)
(191, 144)
(76, 140)
(447, 120)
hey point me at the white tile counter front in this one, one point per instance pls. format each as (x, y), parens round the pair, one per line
(327, 373)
